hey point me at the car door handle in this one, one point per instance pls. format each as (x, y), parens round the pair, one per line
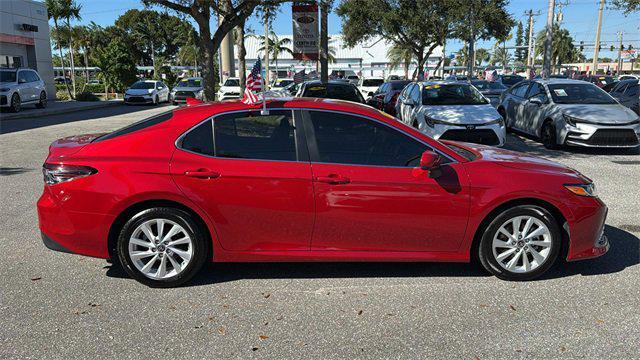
(202, 174)
(333, 179)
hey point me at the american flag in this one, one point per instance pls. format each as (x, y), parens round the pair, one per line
(254, 83)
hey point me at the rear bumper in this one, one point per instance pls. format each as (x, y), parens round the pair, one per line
(52, 245)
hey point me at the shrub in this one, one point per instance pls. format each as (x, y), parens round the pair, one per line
(86, 96)
(62, 95)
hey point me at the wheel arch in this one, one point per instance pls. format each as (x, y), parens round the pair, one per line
(121, 219)
(555, 212)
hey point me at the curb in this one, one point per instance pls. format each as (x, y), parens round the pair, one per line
(49, 111)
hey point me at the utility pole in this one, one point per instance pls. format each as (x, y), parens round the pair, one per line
(324, 41)
(444, 57)
(530, 52)
(597, 46)
(471, 53)
(265, 86)
(620, 52)
(549, 39)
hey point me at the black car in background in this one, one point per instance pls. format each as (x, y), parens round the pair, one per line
(334, 89)
(385, 97)
(490, 89)
(510, 80)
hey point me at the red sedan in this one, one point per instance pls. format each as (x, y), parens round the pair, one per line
(312, 180)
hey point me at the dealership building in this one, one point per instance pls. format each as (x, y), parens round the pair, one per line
(24, 39)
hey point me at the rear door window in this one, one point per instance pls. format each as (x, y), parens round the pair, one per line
(250, 135)
(199, 140)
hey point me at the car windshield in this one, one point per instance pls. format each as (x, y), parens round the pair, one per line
(399, 85)
(509, 80)
(452, 94)
(372, 82)
(334, 91)
(190, 83)
(579, 94)
(488, 85)
(7, 76)
(143, 85)
(232, 82)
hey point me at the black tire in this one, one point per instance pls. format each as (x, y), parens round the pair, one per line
(43, 101)
(156, 100)
(185, 220)
(503, 113)
(485, 249)
(16, 103)
(548, 136)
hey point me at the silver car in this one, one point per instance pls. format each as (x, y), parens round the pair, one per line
(569, 112)
(192, 87)
(451, 110)
(20, 87)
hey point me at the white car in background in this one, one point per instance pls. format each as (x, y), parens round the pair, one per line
(451, 110)
(369, 86)
(147, 92)
(230, 89)
(19, 87)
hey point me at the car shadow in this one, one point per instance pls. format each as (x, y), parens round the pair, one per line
(624, 253)
(524, 143)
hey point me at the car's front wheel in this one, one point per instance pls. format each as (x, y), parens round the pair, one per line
(16, 103)
(521, 243)
(162, 247)
(548, 136)
(42, 103)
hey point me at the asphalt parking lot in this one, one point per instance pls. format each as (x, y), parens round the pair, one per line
(55, 305)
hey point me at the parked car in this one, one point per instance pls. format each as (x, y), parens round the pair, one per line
(312, 180)
(280, 83)
(20, 87)
(599, 80)
(292, 89)
(510, 80)
(629, 77)
(385, 97)
(94, 82)
(569, 112)
(490, 89)
(451, 110)
(147, 92)
(340, 90)
(626, 92)
(368, 86)
(61, 80)
(192, 87)
(230, 89)
(354, 79)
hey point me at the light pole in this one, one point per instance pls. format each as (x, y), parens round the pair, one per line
(548, 39)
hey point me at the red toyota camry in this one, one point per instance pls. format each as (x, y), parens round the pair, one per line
(311, 180)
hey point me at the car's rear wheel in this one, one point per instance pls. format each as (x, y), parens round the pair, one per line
(521, 243)
(162, 247)
(42, 103)
(16, 103)
(548, 136)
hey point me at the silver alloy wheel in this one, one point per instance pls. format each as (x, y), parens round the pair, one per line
(522, 244)
(160, 248)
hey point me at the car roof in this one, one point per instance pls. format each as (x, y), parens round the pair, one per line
(444, 82)
(559, 81)
(332, 82)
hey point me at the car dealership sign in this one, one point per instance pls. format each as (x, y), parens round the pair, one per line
(305, 31)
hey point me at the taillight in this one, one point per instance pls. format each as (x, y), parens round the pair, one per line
(55, 173)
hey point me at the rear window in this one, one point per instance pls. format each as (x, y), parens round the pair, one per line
(142, 124)
(334, 91)
(399, 85)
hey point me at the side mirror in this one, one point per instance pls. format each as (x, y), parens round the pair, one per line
(409, 101)
(22, 81)
(535, 101)
(429, 160)
(370, 93)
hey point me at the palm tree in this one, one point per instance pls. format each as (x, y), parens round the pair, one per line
(500, 56)
(562, 49)
(398, 55)
(71, 10)
(83, 39)
(481, 56)
(56, 12)
(277, 46)
(461, 56)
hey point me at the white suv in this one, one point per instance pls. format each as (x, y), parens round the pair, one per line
(21, 86)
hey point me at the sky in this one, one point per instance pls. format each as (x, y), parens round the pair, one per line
(580, 18)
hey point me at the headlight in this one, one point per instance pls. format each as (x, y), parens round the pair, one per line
(200, 94)
(4, 89)
(570, 120)
(499, 121)
(582, 189)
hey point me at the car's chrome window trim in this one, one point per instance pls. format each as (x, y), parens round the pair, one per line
(178, 142)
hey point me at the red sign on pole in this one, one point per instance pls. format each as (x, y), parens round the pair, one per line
(305, 31)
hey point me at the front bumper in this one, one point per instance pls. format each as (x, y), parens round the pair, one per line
(587, 239)
(601, 136)
(138, 99)
(228, 96)
(4, 100)
(493, 135)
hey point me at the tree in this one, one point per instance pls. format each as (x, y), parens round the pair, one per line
(276, 46)
(562, 49)
(84, 38)
(628, 6)
(71, 11)
(57, 12)
(242, 55)
(482, 56)
(117, 64)
(462, 56)
(154, 34)
(399, 55)
(232, 13)
(500, 55)
(418, 25)
(520, 53)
